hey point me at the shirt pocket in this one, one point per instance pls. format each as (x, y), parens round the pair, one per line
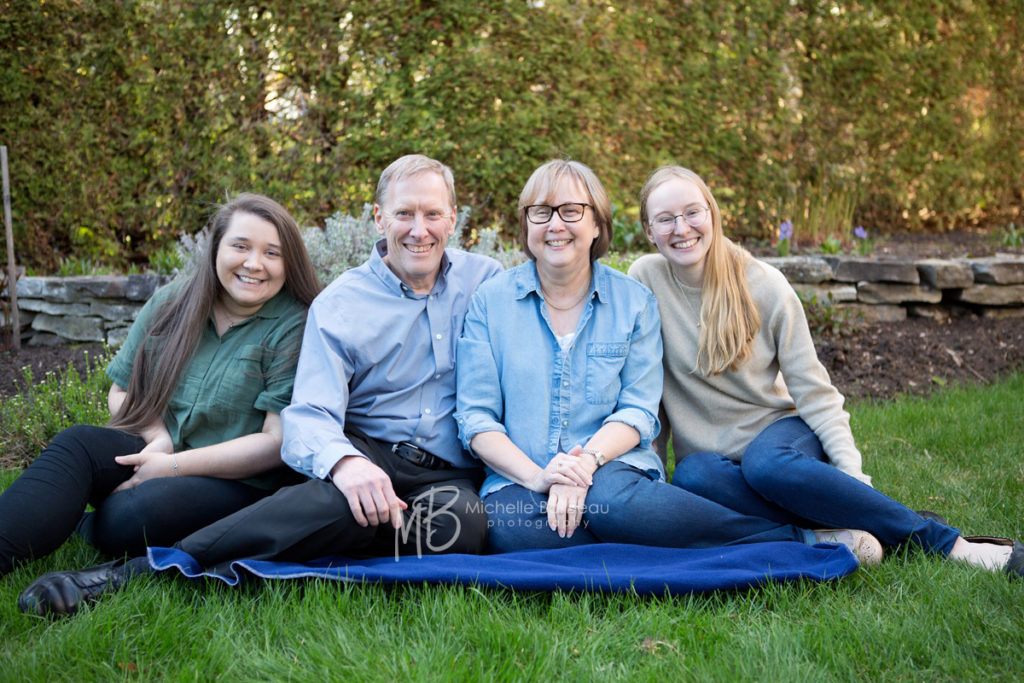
(604, 368)
(242, 380)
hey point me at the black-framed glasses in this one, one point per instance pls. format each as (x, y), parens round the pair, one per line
(570, 212)
(665, 223)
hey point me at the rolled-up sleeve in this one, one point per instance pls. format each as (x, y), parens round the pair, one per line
(642, 376)
(479, 403)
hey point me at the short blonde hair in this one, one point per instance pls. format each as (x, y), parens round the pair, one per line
(408, 166)
(728, 315)
(541, 186)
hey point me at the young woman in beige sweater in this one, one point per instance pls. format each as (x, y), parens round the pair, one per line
(755, 421)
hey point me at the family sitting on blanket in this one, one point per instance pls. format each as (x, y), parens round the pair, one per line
(559, 378)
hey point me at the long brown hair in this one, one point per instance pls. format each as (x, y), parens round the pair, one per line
(179, 323)
(729, 317)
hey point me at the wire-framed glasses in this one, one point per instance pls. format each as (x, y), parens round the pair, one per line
(665, 223)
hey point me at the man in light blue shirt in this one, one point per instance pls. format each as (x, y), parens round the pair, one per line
(371, 419)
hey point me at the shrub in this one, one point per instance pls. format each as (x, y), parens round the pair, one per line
(148, 112)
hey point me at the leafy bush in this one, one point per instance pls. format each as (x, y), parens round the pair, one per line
(131, 125)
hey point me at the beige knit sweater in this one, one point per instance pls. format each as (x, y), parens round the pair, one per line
(783, 377)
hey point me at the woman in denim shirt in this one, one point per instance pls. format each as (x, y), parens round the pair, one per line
(559, 380)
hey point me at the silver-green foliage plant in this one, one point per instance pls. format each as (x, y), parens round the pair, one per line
(489, 243)
(190, 250)
(345, 241)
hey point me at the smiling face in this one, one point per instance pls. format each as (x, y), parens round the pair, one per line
(558, 244)
(686, 247)
(417, 220)
(249, 264)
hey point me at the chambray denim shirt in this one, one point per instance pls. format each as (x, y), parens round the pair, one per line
(514, 378)
(379, 357)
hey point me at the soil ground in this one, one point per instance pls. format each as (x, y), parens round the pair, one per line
(916, 356)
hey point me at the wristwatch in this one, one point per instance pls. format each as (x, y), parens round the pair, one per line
(597, 455)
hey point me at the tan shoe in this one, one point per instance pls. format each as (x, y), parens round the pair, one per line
(865, 547)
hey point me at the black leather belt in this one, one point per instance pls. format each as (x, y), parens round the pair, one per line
(418, 456)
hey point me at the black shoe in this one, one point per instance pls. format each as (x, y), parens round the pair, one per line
(64, 592)
(1015, 566)
(934, 516)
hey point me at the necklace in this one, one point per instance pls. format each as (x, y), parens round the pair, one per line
(547, 299)
(224, 315)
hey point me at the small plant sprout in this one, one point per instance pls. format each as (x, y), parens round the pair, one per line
(862, 244)
(831, 245)
(1012, 237)
(785, 237)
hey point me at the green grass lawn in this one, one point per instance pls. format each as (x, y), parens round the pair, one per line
(912, 618)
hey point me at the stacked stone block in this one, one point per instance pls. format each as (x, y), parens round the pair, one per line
(886, 291)
(62, 310)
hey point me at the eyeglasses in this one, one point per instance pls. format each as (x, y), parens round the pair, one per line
(570, 212)
(665, 223)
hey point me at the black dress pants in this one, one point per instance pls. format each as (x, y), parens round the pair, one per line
(42, 507)
(313, 519)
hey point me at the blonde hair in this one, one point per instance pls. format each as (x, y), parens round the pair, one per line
(542, 185)
(408, 166)
(729, 318)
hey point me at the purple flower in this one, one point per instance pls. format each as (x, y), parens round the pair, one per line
(785, 230)
(860, 233)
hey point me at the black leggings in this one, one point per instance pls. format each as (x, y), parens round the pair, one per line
(42, 507)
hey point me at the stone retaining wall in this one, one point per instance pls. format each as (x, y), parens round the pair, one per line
(101, 308)
(891, 290)
(60, 310)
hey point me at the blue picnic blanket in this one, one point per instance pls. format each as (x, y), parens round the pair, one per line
(602, 567)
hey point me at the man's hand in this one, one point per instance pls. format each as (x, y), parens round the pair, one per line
(566, 505)
(369, 492)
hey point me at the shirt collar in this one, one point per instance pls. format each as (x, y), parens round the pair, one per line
(279, 304)
(393, 282)
(527, 281)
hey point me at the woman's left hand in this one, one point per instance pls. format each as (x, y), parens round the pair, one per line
(148, 465)
(566, 505)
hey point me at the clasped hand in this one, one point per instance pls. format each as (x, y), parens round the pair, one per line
(569, 469)
(154, 461)
(566, 505)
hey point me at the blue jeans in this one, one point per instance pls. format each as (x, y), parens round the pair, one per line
(629, 505)
(785, 476)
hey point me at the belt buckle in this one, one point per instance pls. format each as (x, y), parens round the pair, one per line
(418, 455)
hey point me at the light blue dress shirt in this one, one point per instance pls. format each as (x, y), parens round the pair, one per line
(381, 358)
(514, 378)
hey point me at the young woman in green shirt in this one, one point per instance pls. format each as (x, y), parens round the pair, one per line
(198, 386)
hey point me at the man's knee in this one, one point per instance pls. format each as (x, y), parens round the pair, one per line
(454, 517)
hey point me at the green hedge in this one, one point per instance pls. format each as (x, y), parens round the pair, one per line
(126, 119)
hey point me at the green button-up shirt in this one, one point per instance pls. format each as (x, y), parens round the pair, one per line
(232, 380)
